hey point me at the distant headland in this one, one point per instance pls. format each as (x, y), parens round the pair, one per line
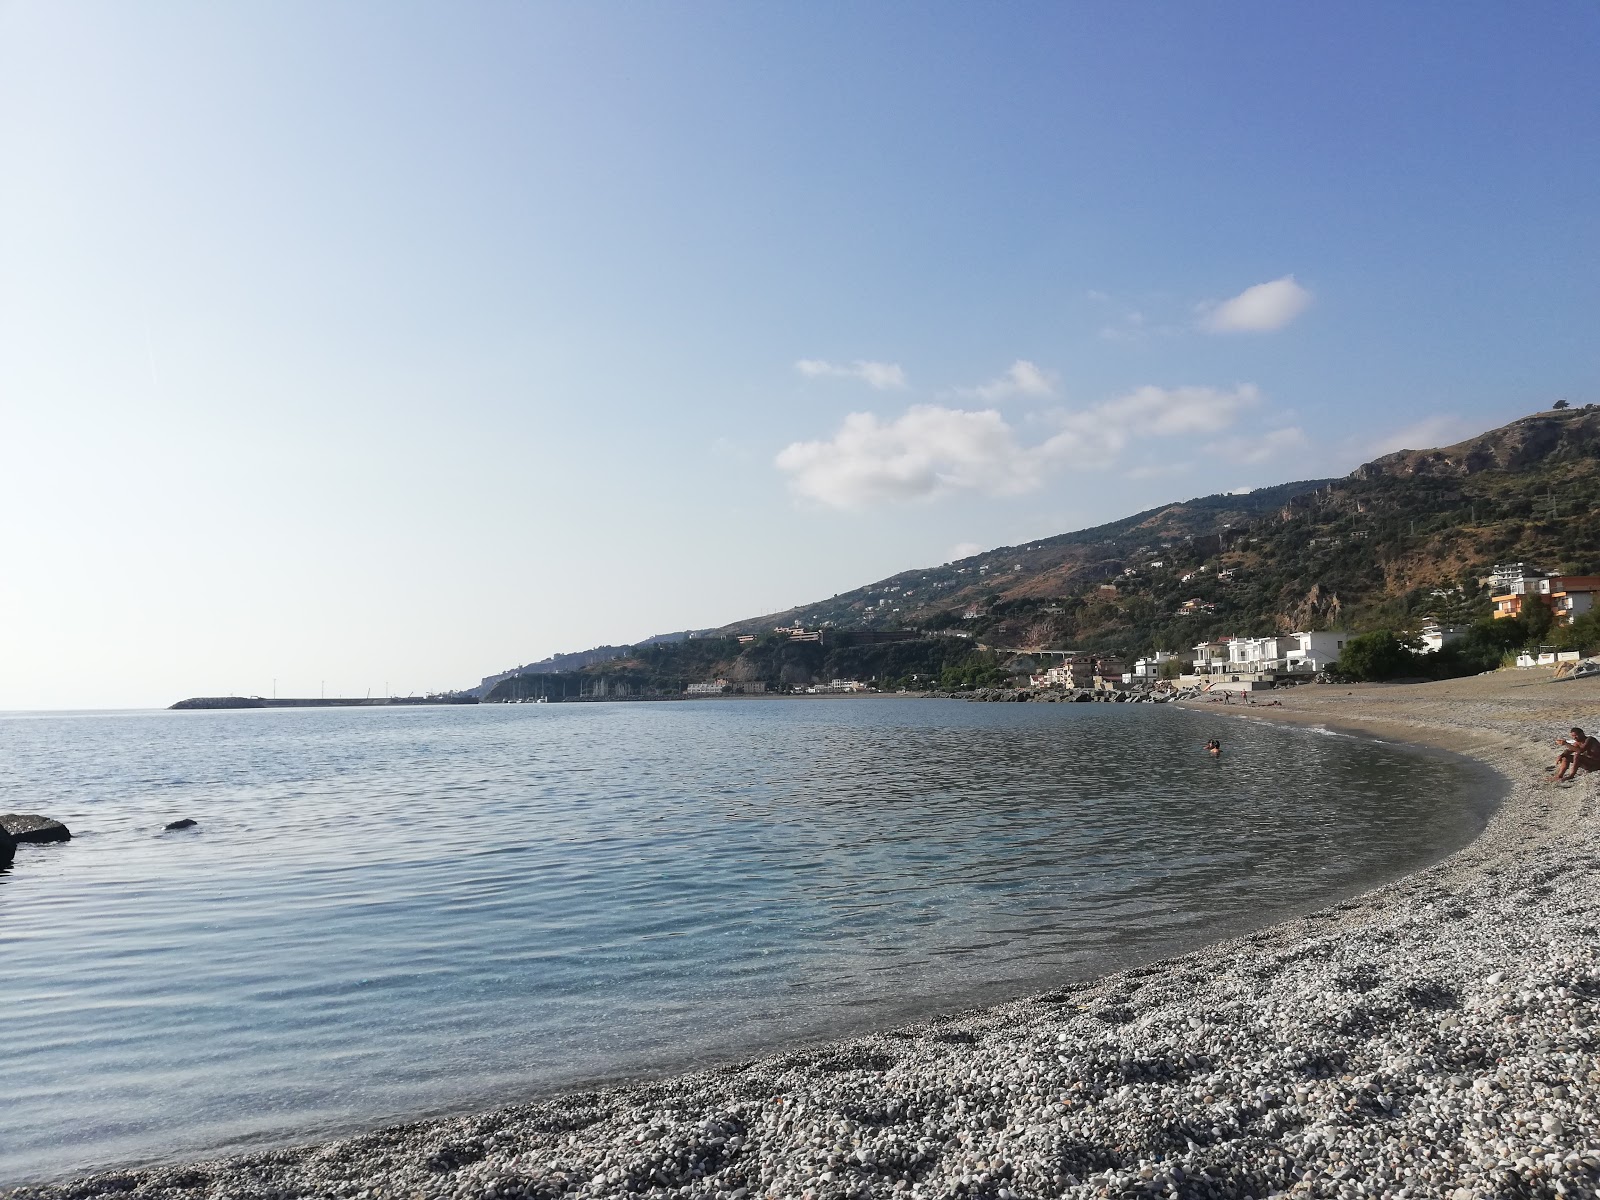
(322, 702)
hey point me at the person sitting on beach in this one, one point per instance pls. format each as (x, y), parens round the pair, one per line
(1580, 751)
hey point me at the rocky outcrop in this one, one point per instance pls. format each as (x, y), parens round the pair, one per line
(32, 828)
(1573, 433)
(8, 848)
(184, 823)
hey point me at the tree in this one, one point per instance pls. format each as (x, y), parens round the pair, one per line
(1583, 633)
(1536, 621)
(1374, 656)
(1480, 649)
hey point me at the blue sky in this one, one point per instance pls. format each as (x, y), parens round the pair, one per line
(368, 345)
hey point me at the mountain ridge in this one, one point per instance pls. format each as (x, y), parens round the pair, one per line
(1406, 537)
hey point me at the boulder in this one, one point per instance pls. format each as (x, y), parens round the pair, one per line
(185, 823)
(31, 827)
(8, 848)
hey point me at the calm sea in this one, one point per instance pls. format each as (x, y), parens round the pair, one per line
(388, 913)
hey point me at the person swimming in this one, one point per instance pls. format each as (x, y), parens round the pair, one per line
(1214, 748)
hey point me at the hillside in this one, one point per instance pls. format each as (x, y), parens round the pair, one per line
(1401, 538)
(1408, 536)
(1042, 570)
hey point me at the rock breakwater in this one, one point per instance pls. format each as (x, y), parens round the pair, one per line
(1436, 1037)
(1066, 696)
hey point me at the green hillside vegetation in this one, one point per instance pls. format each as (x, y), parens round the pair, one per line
(1401, 540)
(772, 659)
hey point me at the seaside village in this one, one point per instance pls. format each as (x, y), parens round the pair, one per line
(1231, 663)
(1245, 664)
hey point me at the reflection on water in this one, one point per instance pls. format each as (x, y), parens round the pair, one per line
(390, 912)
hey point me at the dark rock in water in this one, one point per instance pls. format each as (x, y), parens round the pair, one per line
(31, 827)
(8, 848)
(186, 823)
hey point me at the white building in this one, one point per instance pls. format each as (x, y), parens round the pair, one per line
(1283, 654)
(715, 688)
(1509, 578)
(1312, 652)
(1211, 657)
(838, 685)
(1436, 637)
(1150, 668)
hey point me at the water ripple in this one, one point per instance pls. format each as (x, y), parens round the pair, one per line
(390, 912)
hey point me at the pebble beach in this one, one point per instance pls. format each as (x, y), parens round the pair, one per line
(1438, 1036)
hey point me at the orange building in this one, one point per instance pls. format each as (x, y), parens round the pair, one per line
(1564, 595)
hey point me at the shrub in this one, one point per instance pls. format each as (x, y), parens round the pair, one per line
(1369, 657)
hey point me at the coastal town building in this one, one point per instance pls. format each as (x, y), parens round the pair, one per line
(1436, 637)
(1150, 668)
(1078, 671)
(1566, 596)
(838, 685)
(1194, 607)
(1211, 657)
(714, 687)
(1108, 673)
(1506, 577)
(1265, 659)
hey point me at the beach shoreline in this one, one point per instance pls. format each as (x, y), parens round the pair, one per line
(1435, 1035)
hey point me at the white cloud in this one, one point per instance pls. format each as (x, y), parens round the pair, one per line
(1022, 378)
(1259, 309)
(1262, 448)
(880, 375)
(926, 452)
(931, 451)
(1168, 411)
(1158, 470)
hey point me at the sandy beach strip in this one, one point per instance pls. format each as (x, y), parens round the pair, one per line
(1438, 1036)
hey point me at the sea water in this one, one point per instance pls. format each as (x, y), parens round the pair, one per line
(386, 913)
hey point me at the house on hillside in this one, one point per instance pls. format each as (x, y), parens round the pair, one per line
(1566, 596)
(1505, 577)
(1196, 607)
